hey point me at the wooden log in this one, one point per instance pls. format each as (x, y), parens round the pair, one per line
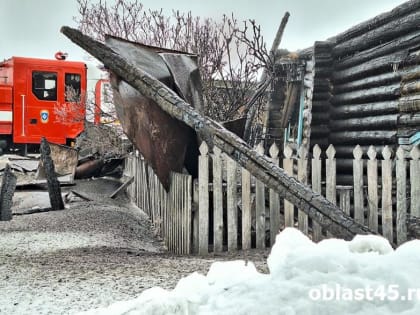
(381, 93)
(365, 109)
(401, 43)
(409, 103)
(384, 122)
(320, 105)
(320, 130)
(374, 137)
(410, 87)
(317, 207)
(54, 188)
(320, 118)
(346, 151)
(370, 67)
(7, 191)
(409, 120)
(369, 82)
(260, 208)
(398, 26)
(321, 96)
(379, 20)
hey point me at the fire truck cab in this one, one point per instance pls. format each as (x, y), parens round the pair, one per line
(41, 98)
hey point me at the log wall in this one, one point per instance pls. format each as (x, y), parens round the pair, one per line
(367, 91)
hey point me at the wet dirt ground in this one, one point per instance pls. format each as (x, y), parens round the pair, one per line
(89, 255)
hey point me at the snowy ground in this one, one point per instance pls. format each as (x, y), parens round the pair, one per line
(88, 256)
(364, 276)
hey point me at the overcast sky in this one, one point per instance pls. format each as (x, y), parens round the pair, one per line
(30, 28)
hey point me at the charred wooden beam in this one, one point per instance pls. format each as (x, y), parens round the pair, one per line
(400, 43)
(384, 18)
(317, 207)
(371, 67)
(7, 191)
(346, 151)
(381, 93)
(320, 130)
(384, 122)
(54, 188)
(409, 119)
(365, 109)
(411, 87)
(369, 82)
(386, 32)
(409, 104)
(373, 137)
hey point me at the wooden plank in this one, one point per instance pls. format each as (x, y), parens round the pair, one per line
(289, 215)
(316, 186)
(331, 175)
(415, 181)
(217, 200)
(122, 187)
(196, 225)
(260, 208)
(344, 199)
(232, 204)
(246, 209)
(203, 200)
(387, 229)
(358, 185)
(372, 177)
(401, 177)
(302, 176)
(274, 199)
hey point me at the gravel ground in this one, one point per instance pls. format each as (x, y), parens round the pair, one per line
(89, 255)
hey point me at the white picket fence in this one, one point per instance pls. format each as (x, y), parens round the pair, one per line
(228, 209)
(170, 212)
(253, 214)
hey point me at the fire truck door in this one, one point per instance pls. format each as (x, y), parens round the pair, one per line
(38, 110)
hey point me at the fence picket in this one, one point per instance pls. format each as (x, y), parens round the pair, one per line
(387, 230)
(372, 172)
(246, 209)
(260, 208)
(415, 181)
(203, 200)
(358, 184)
(289, 216)
(217, 200)
(232, 204)
(316, 186)
(274, 199)
(401, 177)
(330, 175)
(302, 176)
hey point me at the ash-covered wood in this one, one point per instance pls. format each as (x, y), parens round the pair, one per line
(7, 191)
(54, 188)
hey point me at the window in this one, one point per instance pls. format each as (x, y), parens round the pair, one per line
(44, 85)
(72, 82)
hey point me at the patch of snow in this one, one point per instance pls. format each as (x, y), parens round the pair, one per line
(363, 276)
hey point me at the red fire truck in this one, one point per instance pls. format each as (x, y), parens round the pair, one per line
(34, 98)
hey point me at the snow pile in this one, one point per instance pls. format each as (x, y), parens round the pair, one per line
(363, 276)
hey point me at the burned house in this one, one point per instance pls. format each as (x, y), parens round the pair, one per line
(361, 87)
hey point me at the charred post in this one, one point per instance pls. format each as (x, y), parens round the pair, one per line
(8, 187)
